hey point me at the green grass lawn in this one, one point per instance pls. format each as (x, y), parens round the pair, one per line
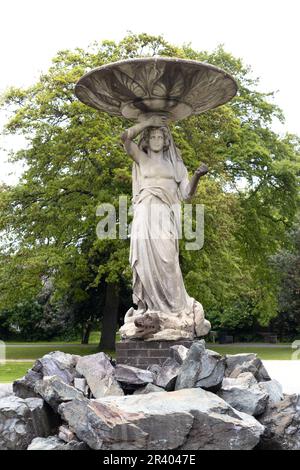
(265, 353)
(12, 371)
(94, 339)
(19, 351)
(34, 352)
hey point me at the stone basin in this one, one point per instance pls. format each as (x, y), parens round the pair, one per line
(177, 88)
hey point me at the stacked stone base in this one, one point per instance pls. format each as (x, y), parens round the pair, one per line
(233, 398)
(143, 354)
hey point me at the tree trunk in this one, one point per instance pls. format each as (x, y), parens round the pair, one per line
(110, 317)
(86, 331)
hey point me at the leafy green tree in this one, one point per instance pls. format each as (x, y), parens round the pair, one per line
(74, 161)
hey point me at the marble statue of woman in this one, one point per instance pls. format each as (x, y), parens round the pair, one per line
(159, 183)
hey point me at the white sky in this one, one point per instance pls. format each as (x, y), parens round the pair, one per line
(265, 33)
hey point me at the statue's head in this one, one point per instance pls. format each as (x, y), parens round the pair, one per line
(155, 139)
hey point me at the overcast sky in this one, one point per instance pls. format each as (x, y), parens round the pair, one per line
(265, 33)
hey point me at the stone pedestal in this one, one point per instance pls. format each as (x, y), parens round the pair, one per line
(145, 353)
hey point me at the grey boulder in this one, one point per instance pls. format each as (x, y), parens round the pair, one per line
(55, 443)
(81, 384)
(201, 368)
(58, 363)
(24, 387)
(55, 391)
(191, 366)
(155, 369)
(211, 376)
(21, 420)
(244, 394)
(55, 363)
(65, 434)
(282, 425)
(179, 353)
(149, 388)
(133, 375)
(274, 389)
(186, 419)
(168, 375)
(99, 374)
(240, 363)
(234, 360)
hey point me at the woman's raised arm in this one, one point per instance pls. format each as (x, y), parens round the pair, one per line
(127, 137)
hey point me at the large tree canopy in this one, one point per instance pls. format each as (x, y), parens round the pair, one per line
(75, 161)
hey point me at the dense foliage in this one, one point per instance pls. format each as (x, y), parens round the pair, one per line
(287, 264)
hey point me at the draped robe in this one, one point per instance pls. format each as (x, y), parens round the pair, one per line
(158, 285)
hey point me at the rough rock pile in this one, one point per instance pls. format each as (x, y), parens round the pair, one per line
(196, 400)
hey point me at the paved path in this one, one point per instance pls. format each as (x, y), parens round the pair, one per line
(49, 345)
(5, 390)
(250, 345)
(287, 373)
(210, 345)
(12, 361)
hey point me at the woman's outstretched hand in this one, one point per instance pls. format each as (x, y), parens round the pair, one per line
(202, 170)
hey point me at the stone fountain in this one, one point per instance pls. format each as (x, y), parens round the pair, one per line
(154, 92)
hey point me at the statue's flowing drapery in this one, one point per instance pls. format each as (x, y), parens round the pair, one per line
(154, 253)
(158, 285)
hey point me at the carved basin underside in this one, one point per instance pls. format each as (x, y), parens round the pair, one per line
(177, 88)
